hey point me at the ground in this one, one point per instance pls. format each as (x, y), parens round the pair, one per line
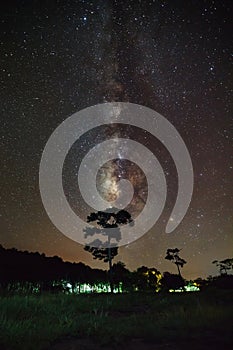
(137, 321)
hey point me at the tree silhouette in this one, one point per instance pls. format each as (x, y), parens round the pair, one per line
(147, 279)
(105, 254)
(25, 272)
(107, 219)
(173, 256)
(120, 276)
(224, 265)
(172, 281)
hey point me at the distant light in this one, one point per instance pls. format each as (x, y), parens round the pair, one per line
(188, 288)
(192, 288)
(175, 290)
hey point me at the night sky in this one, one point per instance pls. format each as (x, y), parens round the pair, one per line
(59, 57)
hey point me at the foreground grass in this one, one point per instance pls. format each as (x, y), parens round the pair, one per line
(34, 322)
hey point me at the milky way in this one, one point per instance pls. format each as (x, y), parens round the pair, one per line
(175, 58)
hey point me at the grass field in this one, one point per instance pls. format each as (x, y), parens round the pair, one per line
(187, 320)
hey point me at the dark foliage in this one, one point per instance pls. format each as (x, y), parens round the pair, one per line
(23, 271)
(110, 218)
(105, 254)
(222, 282)
(107, 219)
(24, 268)
(173, 256)
(224, 265)
(172, 281)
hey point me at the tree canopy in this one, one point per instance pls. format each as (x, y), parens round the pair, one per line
(173, 256)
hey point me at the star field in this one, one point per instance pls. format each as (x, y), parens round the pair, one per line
(58, 57)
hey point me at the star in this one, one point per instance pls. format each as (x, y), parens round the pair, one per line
(175, 60)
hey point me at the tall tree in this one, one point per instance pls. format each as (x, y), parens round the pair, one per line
(173, 256)
(107, 219)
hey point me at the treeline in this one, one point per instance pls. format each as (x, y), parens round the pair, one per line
(35, 273)
(22, 267)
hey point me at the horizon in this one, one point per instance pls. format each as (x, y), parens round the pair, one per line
(104, 267)
(163, 68)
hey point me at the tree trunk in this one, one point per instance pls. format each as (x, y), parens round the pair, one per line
(178, 270)
(110, 269)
